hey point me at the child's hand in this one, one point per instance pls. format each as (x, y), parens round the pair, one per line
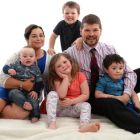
(66, 102)
(78, 43)
(12, 72)
(62, 75)
(51, 51)
(34, 95)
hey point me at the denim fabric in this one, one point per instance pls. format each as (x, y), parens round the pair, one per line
(19, 97)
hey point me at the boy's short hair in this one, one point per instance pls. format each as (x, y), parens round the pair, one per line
(71, 4)
(112, 58)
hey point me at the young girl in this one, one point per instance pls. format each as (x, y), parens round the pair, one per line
(71, 94)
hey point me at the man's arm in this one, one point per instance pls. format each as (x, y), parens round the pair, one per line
(130, 79)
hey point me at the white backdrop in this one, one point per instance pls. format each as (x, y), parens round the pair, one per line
(120, 21)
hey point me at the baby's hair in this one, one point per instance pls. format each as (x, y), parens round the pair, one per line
(112, 58)
(71, 4)
(26, 47)
(53, 75)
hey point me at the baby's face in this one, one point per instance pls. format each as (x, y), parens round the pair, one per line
(27, 56)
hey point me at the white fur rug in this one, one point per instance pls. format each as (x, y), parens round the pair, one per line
(67, 130)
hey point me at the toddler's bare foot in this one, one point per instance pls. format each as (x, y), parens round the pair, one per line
(90, 127)
(52, 125)
(34, 119)
(27, 106)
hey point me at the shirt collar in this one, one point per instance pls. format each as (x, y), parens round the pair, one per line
(87, 48)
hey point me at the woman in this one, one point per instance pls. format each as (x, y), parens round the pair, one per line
(35, 37)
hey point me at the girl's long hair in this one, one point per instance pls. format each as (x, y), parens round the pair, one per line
(53, 75)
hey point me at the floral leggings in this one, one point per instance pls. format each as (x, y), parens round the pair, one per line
(82, 110)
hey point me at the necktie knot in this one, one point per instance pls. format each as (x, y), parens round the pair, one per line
(92, 51)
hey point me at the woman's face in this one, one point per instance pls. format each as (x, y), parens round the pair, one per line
(36, 39)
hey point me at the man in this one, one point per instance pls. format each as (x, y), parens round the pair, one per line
(112, 108)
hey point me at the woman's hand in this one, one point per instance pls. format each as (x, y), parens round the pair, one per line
(28, 84)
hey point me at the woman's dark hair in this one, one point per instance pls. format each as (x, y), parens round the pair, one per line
(29, 29)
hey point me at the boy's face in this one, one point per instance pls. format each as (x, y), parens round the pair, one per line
(70, 15)
(27, 56)
(115, 70)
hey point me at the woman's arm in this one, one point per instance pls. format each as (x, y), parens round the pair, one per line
(13, 83)
(3, 76)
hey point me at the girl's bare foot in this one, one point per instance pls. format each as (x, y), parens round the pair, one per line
(27, 106)
(52, 125)
(34, 119)
(90, 127)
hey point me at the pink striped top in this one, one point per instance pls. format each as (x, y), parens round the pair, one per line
(84, 56)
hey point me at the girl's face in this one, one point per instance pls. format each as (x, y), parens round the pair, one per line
(63, 65)
(27, 56)
(70, 15)
(115, 70)
(36, 39)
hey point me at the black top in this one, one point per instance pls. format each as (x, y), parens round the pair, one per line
(68, 33)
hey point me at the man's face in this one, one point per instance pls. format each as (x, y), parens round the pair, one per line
(91, 34)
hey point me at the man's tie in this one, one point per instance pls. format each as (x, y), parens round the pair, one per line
(94, 70)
